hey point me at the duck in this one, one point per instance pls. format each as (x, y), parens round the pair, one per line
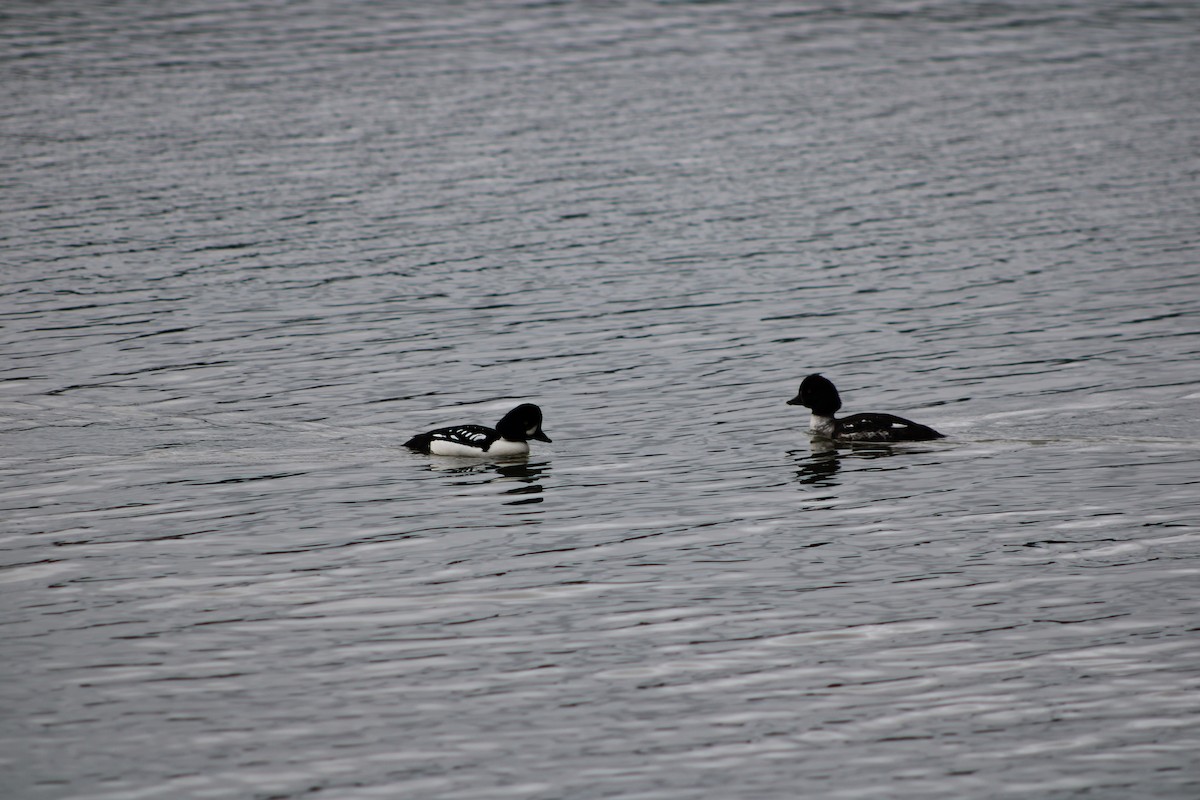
(510, 437)
(820, 395)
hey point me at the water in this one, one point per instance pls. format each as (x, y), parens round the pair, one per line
(249, 249)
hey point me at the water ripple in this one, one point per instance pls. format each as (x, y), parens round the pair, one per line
(251, 248)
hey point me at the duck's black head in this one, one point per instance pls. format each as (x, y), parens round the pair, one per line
(522, 424)
(818, 393)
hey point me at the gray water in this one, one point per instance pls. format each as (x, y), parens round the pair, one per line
(249, 248)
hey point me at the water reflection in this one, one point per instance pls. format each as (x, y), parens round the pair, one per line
(672, 609)
(823, 460)
(525, 475)
(818, 465)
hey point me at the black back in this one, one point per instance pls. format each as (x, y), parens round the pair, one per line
(470, 435)
(884, 428)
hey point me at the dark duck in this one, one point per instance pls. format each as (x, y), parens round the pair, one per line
(820, 395)
(510, 437)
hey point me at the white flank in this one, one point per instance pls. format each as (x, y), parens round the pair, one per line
(501, 447)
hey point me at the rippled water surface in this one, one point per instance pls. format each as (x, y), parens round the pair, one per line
(248, 249)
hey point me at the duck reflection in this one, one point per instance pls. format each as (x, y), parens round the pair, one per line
(817, 466)
(527, 478)
(524, 475)
(823, 460)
